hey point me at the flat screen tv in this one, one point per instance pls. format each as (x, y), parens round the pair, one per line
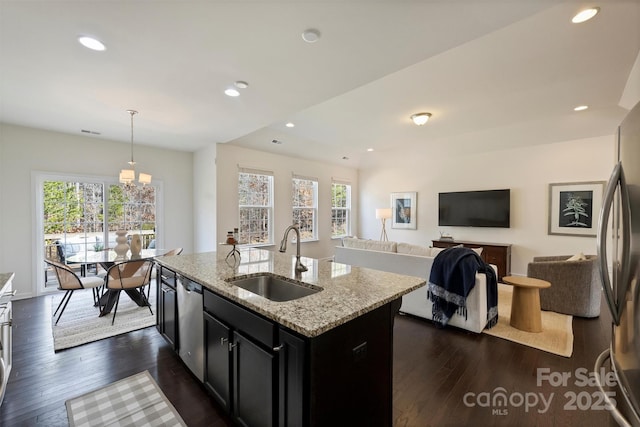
(488, 208)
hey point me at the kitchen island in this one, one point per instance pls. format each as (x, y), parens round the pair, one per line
(323, 359)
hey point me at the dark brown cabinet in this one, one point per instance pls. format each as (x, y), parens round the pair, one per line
(498, 254)
(251, 366)
(166, 305)
(264, 374)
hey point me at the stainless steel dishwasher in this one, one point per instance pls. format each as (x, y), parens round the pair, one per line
(191, 326)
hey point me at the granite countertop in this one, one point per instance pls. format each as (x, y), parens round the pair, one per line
(348, 291)
(4, 279)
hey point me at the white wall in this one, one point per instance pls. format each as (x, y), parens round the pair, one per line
(228, 159)
(526, 171)
(25, 150)
(204, 200)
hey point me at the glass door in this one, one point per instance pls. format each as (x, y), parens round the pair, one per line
(79, 215)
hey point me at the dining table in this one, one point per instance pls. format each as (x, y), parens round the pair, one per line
(108, 258)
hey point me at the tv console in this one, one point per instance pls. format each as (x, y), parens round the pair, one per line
(498, 254)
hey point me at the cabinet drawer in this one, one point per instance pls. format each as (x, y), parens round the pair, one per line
(240, 318)
(494, 258)
(168, 277)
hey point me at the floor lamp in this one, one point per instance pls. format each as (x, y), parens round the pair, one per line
(383, 214)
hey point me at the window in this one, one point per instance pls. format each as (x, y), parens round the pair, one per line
(255, 206)
(73, 219)
(305, 206)
(340, 209)
(132, 208)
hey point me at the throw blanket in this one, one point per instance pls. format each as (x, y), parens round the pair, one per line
(452, 277)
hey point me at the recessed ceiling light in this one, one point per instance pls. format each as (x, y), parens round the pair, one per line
(585, 15)
(241, 84)
(420, 118)
(581, 108)
(290, 125)
(231, 92)
(91, 43)
(369, 149)
(311, 35)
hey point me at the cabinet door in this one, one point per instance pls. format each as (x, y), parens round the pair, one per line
(217, 360)
(291, 364)
(168, 322)
(254, 383)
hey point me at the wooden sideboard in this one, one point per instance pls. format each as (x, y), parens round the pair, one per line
(498, 254)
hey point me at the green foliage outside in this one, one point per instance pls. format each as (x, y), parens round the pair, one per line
(78, 208)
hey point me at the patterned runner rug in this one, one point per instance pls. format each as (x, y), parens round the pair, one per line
(134, 401)
(557, 329)
(80, 323)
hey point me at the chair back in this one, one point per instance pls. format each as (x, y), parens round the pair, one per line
(129, 274)
(67, 279)
(176, 251)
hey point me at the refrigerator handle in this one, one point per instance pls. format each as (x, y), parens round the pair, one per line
(622, 282)
(617, 177)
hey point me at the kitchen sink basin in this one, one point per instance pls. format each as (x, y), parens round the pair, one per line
(274, 288)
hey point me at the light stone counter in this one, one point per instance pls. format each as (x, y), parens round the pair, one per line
(4, 279)
(348, 292)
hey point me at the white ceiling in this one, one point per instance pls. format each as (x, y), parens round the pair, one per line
(494, 73)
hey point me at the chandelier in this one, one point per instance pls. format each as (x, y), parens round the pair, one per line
(128, 176)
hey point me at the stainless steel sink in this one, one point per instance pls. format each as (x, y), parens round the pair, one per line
(274, 288)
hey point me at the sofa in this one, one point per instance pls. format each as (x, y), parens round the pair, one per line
(576, 286)
(414, 260)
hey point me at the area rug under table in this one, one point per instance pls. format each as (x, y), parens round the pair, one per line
(557, 330)
(80, 323)
(134, 401)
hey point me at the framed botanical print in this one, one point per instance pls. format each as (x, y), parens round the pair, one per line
(574, 208)
(404, 210)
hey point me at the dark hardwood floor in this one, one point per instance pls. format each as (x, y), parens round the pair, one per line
(435, 372)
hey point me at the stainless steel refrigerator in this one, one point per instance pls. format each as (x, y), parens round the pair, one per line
(619, 255)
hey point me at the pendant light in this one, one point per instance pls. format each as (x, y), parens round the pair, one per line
(128, 176)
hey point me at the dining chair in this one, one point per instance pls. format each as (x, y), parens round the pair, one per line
(129, 276)
(69, 281)
(175, 251)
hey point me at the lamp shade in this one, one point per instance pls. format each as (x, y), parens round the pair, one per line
(127, 176)
(144, 178)
(383, 213)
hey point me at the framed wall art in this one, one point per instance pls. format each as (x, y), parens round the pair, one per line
(404, 210)
(574, 208)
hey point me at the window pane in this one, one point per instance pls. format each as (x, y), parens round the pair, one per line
(72, 218)
(341, 208)
(304, 201)
(132, 209)
(305, 218)
(255, 207)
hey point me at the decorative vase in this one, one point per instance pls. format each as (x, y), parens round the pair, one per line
(122, 246)
(136, 245)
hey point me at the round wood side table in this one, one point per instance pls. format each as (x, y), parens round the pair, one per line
(525, 305)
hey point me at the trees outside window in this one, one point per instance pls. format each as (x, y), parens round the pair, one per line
(305, 206)
(340, 210)
(255, 206)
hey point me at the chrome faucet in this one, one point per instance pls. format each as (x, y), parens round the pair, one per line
(283, 246)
